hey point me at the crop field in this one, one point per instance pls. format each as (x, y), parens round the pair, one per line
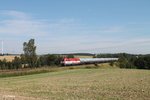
(79, 84)
(79, 56)
(8, 58)
(11, 57)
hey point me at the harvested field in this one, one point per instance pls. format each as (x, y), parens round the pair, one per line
(77, 84)
(8, 58)
(79, 56)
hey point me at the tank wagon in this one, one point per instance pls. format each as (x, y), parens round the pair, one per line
(77, 61)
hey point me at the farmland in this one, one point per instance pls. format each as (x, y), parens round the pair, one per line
(80, 56)
(11, 57)
(85, 84)
(8, 58)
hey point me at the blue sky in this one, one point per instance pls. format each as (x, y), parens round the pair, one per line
(67, 26)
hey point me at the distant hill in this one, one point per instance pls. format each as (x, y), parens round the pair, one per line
(80, 54)
(8, 54)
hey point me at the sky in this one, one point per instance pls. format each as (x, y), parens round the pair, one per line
(73, 26)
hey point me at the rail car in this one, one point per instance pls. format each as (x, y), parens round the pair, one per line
(78, 61)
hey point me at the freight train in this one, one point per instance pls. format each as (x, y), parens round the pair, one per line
(78, 61)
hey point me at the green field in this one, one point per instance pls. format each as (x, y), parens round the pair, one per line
(79, 84)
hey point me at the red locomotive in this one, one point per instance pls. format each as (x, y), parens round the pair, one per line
(70, 61)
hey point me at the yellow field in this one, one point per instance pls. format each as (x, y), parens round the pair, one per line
(78, 56)
(8, 58)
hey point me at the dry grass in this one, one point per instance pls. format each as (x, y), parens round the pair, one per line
(79, 84)
(8, 58)
(79, 56)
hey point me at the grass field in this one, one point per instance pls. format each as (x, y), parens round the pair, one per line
(79, 84)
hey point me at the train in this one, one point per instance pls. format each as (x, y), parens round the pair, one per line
(77, 61)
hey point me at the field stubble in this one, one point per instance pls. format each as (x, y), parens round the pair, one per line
(77, 84)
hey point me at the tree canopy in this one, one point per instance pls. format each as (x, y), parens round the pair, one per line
(30, 56)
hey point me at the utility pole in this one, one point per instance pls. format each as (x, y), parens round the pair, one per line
(2, 48)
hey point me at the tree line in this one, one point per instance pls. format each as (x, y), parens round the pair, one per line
(129, 60)
(30, 59)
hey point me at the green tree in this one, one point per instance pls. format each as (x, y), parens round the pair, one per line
(30, 56)
(70, 56)
(17, 63)
(143, 62)
(122, 62)
(4, 66)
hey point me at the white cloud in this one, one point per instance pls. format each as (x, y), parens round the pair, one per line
(98, 46)
(21, 23)
(66, 35)
(15, 14)
(112, 29)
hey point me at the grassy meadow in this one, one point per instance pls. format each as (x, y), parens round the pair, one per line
(79, 84)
